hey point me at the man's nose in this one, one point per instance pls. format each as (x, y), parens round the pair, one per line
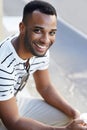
(45, 39)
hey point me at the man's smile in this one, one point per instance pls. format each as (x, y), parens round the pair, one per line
(40, 47)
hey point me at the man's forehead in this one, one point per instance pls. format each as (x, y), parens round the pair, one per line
(41, 19)
(38, 13)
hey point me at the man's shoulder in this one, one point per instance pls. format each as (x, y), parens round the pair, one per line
(8, 39)
(5, 41)
(6, 52)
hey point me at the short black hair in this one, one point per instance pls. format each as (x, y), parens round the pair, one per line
(42, 6)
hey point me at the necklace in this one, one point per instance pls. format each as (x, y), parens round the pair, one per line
(24, 78)
(27, 65)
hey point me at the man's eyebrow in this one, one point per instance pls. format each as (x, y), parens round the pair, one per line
(39, 27)
(43, 28)
(54, 29)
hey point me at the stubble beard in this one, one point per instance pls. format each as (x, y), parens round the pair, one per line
(30, 49)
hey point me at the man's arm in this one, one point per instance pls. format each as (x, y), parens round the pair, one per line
(13, 121)
(51, 95)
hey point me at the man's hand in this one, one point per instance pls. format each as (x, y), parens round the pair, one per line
(76, 114)
(77, 125)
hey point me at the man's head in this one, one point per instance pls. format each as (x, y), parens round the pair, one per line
(42, 6)
(38, 27)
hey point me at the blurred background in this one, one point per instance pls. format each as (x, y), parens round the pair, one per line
(73, 11)
(68, 66)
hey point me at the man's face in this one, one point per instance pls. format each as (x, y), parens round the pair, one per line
(39, 33)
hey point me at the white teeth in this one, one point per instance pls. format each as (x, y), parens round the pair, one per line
(42, 47)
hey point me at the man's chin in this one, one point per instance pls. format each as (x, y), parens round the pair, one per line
(40, 55)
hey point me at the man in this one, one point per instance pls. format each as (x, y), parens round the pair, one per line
(25, 54)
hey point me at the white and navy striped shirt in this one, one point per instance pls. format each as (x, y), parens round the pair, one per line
(12, 68)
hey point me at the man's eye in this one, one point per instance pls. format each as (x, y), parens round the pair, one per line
(52, 33)
(37, 30)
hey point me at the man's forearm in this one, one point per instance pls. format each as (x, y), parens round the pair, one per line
(30, 124)
(52, 96)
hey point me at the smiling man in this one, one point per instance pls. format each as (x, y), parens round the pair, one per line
(25, 54)
(38, 32)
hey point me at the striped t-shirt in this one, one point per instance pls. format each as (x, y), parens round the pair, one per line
(13, 71)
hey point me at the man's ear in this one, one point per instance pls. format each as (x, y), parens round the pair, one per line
(22, 28)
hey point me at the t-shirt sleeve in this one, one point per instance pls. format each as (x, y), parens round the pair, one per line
(6, 83)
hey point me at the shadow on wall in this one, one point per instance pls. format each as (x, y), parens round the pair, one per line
(70, 49)
(69, 64)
